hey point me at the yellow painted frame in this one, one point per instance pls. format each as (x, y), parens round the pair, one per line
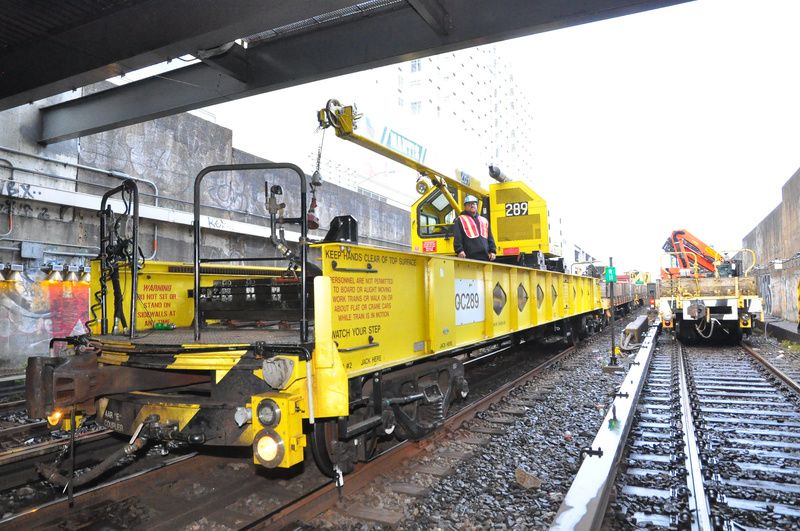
(390, 307)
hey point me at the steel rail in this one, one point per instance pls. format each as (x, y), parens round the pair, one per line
(712, 412)
(61, 504)
(14, 455)
(10, 407)
(327, 496)
(18, 464)
(698, 499)
(22, 428)
(785, 378)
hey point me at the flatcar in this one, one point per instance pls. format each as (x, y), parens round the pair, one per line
(627, 295)
(331, 356)
(630, 289)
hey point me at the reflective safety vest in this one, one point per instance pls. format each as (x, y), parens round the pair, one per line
(471, 228)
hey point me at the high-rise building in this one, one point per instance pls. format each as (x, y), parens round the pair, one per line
(465, 107)
(460, 110)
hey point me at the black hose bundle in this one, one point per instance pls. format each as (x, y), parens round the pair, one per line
(51, 473)
(115, 249)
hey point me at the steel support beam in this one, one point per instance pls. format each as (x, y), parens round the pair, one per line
(434, 14)
(145, 33)
(360, 43)
(233, 63)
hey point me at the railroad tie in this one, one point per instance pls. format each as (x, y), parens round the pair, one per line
(459, 455)
(537, 395)
(513, 411)
(523, 403)
(476, 441)
(409, 489)
(487, 430)
(505, 421)
(433, 470)
(381, 515)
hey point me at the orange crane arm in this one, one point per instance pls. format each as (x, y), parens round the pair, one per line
(690, 249)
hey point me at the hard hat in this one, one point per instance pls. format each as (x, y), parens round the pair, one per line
(470, 199)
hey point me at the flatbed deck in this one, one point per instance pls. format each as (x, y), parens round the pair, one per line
(216, 335)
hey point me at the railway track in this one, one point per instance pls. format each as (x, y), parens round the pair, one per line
(11, 406)
(12, 387)
(16, 428)
(713, 443)
(15, 431)
(417, 455)
(222, 487)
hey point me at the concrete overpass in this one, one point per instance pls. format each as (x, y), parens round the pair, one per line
(246, 47)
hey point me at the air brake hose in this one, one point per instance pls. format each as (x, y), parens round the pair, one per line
(51, 474)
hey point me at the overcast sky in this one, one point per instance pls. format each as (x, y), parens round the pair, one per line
(682, 117)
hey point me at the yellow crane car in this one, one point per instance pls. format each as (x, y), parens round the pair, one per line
(333, 356)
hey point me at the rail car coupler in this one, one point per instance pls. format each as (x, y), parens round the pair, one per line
(168, 431)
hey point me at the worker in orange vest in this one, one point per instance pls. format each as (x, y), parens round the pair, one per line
(472, 237)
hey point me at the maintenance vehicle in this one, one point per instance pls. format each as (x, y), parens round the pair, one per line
(329, 354)
(706, 294)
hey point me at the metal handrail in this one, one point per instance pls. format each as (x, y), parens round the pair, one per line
(303, 235)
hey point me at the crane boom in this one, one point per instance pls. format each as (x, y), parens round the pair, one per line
(343, 120)
(517, 215)
(690, 250)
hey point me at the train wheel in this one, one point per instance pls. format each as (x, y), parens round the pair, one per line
(570, 332)
(583, 327)
(321, 445)
(329, 451)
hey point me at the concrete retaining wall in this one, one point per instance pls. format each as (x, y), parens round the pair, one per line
(776, 242)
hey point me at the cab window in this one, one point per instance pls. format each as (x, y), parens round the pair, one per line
(435, 216)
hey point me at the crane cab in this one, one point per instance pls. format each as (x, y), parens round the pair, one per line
(516, 214)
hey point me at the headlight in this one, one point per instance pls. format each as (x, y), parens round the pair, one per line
(54, 418)
(269, 414)
(268, 448)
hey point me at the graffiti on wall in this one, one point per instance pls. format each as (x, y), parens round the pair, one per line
(780, 291)
(765, 290)
(34, 310)
(236, 192)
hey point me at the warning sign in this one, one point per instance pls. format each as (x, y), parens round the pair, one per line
(429, 246)
(157, 302)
